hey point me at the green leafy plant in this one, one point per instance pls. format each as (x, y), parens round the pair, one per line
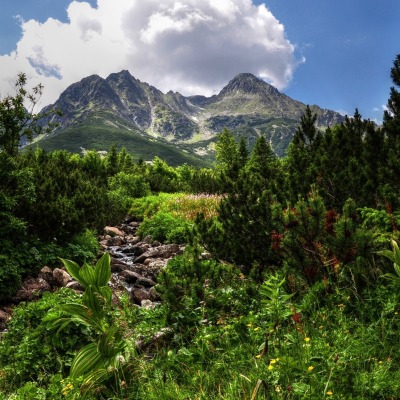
(394, 256)
(105, 356)
(10, 278)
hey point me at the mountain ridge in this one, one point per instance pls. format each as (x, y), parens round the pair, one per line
(247, 105)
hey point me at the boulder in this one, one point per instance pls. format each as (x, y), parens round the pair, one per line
(61, 277)
(139, 294)
(74, 285)
(113, 231)
(116, 241)
(148, 304)
(129, 276)
(154, 295)
(46, 274)
(31, 289)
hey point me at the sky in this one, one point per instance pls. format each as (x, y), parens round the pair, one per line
(336, 54)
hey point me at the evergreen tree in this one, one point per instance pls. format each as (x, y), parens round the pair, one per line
(301, 157)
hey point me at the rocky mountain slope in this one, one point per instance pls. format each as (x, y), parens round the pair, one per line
(121, 103)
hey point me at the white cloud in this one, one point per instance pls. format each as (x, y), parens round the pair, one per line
(190, 46)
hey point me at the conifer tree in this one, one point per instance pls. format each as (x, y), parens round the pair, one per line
(301, 156)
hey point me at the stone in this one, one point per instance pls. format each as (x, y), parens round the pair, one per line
(36, 285)
(167, 250)
(139, 294)
(113, 231)
(116, 241)
(154, 295)
(118, 266)
(46, 274)
(146, 282)
(74, 285)
(61, 277)
(129, 276)
(148, 304)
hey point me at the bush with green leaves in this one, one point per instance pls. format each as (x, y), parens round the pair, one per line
(28, 352)
(10, 278)
(164, 227)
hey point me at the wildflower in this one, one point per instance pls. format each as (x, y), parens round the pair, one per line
(329, 393)
(278, 389)
(272, 361)
(270, 367)
(258, 356)
(307, 339)
(256, 329)
(249, 325)
(310, 368)
(278, 359)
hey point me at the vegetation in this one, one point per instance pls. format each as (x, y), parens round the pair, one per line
(288, 287)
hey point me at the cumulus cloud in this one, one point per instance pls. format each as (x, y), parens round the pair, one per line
(190, 46)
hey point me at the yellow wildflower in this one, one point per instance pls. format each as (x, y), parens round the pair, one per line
(310, 368)
(270, 367)
(329, 393)
(307, 339)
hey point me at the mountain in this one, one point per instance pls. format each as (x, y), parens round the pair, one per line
(121, 109)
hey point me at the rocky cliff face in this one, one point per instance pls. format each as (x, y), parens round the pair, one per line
(247, 105)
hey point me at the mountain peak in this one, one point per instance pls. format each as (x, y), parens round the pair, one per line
(247, 83)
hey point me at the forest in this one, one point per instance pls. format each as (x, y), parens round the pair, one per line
(287, 288)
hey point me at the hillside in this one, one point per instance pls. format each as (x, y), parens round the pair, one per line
(123, 110)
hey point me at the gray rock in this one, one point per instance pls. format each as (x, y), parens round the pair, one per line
(61, 277)
(138, 295)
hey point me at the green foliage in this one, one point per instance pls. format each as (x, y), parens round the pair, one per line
(164, 227)
(105, 356)
(10, 278)
(28, 352)
(129, 185)
(18, 121)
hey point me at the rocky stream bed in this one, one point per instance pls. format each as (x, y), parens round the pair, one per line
(135, 264)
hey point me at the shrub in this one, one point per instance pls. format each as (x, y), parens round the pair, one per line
(164, 227)
(10, 278)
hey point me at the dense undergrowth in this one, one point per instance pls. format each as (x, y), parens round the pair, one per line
(288, 287)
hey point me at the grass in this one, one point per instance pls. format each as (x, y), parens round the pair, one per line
(232, 338)
(96, 134)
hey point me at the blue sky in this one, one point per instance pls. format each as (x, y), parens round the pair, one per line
(334, 54)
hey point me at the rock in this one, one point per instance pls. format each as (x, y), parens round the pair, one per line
(129, 276)
(37, 285)
(157, 264)
(148, 304)
(46, 274)
(154, 296)
(31, 289)
(138, 295)
(168, 250)
(133, 239)
(146, 282)
(116, 241)
(113, 231)
(61, 277)
(74, 285)
(148, 240)
(118, 266)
